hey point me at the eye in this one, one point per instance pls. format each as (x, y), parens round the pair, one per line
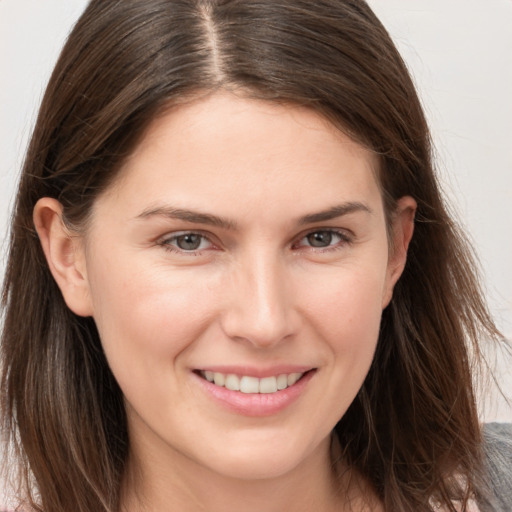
(186, 242)
(322, 239)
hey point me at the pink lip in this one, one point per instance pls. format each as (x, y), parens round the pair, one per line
(255, 404)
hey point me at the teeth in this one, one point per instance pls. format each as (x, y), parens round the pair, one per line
(282, 382)
(247, 384)
(268, 385)
(232, 383)
(219, 379)
(293, 378)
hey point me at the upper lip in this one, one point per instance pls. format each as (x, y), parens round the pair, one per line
(253, 371)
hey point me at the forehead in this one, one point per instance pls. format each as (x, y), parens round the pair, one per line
(224, 147)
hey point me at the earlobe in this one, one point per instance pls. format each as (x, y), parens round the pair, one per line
(402, 232)
(65, 255)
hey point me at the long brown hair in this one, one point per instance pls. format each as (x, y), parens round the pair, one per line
(413, 426)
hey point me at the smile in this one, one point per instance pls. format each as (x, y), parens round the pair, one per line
(248, 384)
(241, 392)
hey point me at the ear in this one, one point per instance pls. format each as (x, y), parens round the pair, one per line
(64, 251)
(402, 229)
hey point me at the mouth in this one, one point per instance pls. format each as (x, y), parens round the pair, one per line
(253, 385)
(243, 393)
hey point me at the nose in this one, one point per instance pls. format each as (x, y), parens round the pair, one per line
(260, 308)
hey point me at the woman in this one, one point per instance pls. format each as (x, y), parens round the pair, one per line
(232, 281)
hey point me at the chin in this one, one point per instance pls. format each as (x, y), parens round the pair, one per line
(270, 467)
(264, 461)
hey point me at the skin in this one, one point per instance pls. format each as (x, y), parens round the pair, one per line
(255, 293)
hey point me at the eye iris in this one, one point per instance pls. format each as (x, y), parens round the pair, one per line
(188, 242)
(320, 238)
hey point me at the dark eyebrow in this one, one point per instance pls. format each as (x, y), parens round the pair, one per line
(196, 217)
(188, 216)
(334, 212)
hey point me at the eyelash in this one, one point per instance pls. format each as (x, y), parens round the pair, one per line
(166, 242)
(344, 239)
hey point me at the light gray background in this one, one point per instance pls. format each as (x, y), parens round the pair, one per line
(459, 52)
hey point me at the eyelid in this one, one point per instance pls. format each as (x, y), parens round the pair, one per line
(165, 241)
(347, 238)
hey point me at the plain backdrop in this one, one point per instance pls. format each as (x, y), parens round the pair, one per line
(458, 52)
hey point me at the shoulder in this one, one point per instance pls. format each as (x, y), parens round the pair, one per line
(498, 462)
(498, 450)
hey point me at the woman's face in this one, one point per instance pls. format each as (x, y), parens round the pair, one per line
(244, 241)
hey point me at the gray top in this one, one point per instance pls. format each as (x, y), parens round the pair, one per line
(498, 451)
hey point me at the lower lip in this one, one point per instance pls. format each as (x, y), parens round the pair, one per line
(256, 404)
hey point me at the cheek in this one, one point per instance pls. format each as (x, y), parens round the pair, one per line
(147, 318)
(345, 313)
(350, 301)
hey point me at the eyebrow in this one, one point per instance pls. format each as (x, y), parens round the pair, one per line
(196, 217)
(192, 216)
(335, 212)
